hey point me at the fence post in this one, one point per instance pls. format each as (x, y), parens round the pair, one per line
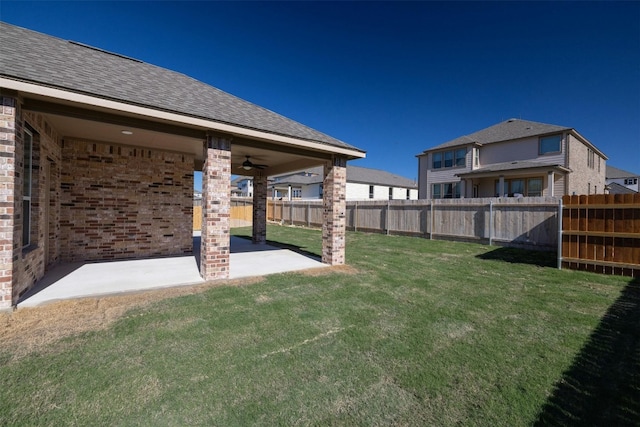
(386, 217)
(355, 218)
(560, 234)
(431, 220)
(291, 211)
(490, 222)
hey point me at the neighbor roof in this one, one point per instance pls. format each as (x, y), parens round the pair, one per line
(613, 173)
(504, 131)
(354, 174)
(510, 166)
(33, 57)
(615, 188)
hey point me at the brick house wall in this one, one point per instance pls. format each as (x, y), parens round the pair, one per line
(586, 177)
(124, 202)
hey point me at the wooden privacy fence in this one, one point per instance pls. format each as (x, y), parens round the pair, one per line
(524, 222)
(601, 233)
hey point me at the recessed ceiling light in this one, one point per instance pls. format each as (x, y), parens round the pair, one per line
(127, 132)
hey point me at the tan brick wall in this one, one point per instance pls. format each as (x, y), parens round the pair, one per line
(334, 212)
(45, 205)
(9, 111)
(124, 202)
(259, 232)
(584, 179)
(216, 208)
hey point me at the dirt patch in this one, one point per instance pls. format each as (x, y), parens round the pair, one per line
(31, 329)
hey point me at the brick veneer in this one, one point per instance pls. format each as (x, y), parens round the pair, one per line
(259, 235)
(334, 207)
(124, 202)
(8, 136)
(216, 208)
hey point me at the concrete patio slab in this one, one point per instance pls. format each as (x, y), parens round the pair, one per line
(81, 280)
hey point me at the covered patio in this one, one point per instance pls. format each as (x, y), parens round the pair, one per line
(98, 279)
(99, 152)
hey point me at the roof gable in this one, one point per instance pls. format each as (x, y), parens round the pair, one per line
(83, 69)
(355, 174)
(504, 131)
(613, 173)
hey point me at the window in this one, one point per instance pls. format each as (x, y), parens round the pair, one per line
(296, 193)
(452, 158)
(436, 193)
(448, 190)
(26, 190)
(535, 187)
(460, 157)
(517, 186)
(371, 191)
(390, 193)
(531, 187)
(590, 162)
(476, 157)
(408, 194)
(448, 159)
(321, 190)
(630, 181)
(437, 160)
(550, 144)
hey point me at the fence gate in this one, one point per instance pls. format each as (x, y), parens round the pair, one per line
(601, 233)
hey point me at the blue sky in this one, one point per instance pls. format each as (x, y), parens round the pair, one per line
(391, 78)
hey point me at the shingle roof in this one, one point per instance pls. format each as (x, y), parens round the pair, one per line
(615, 188)
(504, 131)
(613, 173)
(507, 166)
(354, 174)
(30, 56)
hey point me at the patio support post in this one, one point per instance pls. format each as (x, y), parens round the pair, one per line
(550, 182)
(259, 233)
(334, 211)
(216, 208)
(9, 137)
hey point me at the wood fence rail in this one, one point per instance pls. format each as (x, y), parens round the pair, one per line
(523, 222)
(601, 233)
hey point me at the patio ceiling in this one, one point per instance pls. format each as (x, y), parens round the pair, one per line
(74, 120)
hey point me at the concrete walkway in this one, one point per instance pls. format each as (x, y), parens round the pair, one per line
(79, 280)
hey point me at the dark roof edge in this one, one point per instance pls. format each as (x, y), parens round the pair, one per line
(179, 113)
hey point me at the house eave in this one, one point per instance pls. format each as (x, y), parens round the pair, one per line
(89, 101)
(516, 171)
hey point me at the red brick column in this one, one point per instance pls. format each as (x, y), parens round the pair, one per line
(9, 136)
(259, 209)
(334, 211)
(216, 208)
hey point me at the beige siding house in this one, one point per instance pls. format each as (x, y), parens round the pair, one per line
(512, 158)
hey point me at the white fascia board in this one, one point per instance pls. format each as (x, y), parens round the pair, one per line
(88, 100)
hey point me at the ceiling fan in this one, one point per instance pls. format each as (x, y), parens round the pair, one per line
(248, 165)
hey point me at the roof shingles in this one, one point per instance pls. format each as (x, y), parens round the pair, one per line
(34, 57)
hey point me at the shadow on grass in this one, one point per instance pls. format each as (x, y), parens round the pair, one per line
(294, 248)
(521, 256)
(602, 387)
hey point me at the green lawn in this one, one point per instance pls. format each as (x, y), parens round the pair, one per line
(424, 333)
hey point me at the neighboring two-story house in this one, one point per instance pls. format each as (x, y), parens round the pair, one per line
(362, 184)
(512, 158)
(622, 182)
